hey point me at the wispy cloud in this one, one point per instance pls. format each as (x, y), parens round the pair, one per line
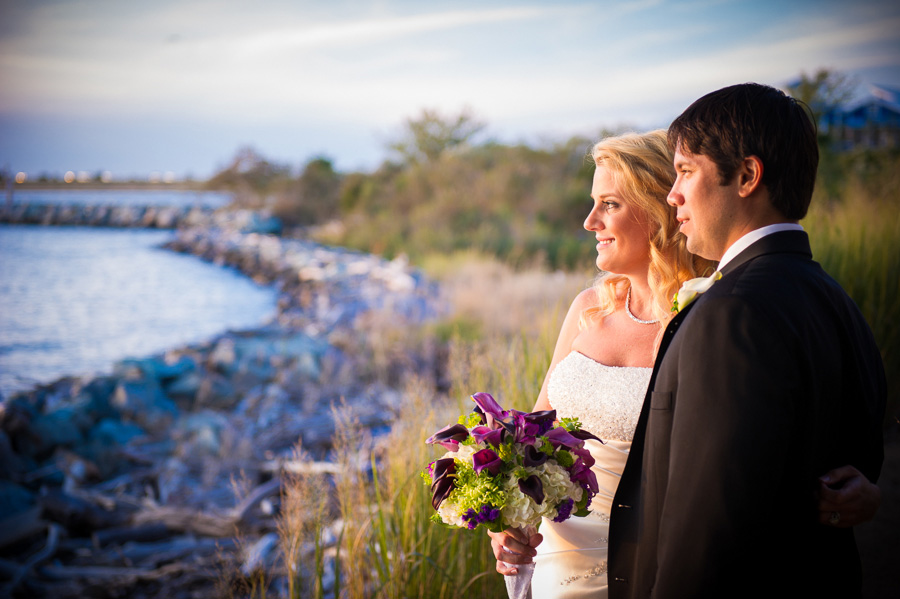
(368, 31)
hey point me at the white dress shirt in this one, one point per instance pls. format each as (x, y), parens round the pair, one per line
(752, 237)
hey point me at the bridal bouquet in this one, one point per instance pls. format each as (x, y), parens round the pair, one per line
(508, 469)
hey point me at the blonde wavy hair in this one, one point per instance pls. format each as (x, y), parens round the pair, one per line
(642, 168)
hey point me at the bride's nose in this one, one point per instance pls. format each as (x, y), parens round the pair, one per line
(593, 222)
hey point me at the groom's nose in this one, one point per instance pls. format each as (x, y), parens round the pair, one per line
(675, 198)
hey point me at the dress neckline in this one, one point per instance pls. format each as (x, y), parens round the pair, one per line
(586, 357)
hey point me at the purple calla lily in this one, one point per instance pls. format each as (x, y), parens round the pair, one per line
(487, 403)
(440, 491)
(487, 458)
(490, 436)
(561, 437)
(583, 474)
(534, 457)
(586, 458)
(584, 435)
(532, 487)
(543, 419)
(531, 429)
(491, 409)
(520, 432)
(450, 436)
(442, 481)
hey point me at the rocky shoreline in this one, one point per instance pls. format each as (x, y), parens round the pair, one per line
(124, 484)
(150, 217)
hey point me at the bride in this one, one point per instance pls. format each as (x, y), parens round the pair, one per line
(603, 359)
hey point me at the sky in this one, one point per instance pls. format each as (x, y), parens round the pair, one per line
(180, 85)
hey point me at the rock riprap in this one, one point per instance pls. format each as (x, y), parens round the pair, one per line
(123, 484)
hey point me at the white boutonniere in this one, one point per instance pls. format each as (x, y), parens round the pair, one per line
(691, 289)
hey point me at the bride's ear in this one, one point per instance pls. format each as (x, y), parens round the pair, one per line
(750, 175)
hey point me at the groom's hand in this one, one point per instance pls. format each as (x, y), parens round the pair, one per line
(847, 498)
(513, 547)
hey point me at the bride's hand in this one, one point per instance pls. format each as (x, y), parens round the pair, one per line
(847, 498)
(512, 547)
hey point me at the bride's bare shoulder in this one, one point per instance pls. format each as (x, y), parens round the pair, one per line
(585, 300)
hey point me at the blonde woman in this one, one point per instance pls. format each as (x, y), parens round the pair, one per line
(603, 358)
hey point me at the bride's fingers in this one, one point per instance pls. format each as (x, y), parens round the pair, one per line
(506, 569)
(514, 552)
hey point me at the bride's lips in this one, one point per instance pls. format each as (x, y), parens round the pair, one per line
(602, 243)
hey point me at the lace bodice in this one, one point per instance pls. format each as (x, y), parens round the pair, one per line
(606, 399)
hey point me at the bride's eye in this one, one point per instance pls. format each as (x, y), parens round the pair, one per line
(609, 206)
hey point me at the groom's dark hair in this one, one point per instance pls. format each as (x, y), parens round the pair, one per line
(750, 119)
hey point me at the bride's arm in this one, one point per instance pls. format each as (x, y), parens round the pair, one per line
(567, 334)
(511, 546)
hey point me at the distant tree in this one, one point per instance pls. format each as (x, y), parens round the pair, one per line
(311, 198)
(822, 91)
(426, 137)
(250, 176)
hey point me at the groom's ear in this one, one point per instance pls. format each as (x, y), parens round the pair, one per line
(750, 174)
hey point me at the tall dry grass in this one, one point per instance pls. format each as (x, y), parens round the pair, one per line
(377, 508)
(858, 243)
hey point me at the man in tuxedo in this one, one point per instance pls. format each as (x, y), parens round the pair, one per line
(765, 381)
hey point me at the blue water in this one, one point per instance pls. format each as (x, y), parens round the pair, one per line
(73, 300)
(121, 197)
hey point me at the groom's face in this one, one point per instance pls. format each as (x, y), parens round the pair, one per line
(704, 206)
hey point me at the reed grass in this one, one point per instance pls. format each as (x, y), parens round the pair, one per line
(390, 546)
(858, 243)
(378, 506)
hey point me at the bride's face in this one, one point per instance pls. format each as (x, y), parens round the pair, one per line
(622, 230)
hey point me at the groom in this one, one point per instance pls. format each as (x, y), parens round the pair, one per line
(765, 381)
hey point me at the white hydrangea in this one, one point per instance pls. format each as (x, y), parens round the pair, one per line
(521, 511)
(557, 487)
(450, 514)
(465, 453)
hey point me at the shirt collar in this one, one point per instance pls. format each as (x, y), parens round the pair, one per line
(752, 237)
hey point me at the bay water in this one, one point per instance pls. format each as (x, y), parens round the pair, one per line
(74, 300)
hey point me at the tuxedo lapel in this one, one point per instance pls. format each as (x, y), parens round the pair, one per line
(637, 445)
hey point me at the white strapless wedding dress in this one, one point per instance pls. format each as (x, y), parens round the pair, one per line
(571, 560)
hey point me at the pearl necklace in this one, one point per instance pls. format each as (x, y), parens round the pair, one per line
(632, 316)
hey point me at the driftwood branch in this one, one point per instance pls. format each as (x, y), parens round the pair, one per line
(46, 552)
(184, 519)
(300, 467)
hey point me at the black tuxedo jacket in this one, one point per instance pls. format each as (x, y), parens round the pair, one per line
(767, 381)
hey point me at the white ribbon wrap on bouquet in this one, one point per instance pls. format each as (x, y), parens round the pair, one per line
(518, 585)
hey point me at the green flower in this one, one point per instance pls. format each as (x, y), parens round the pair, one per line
(565, 458)
(570, 424)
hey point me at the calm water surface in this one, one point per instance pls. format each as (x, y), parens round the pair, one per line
(73, 300)
(120, 197)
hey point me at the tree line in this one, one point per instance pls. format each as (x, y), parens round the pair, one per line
(442, 191)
